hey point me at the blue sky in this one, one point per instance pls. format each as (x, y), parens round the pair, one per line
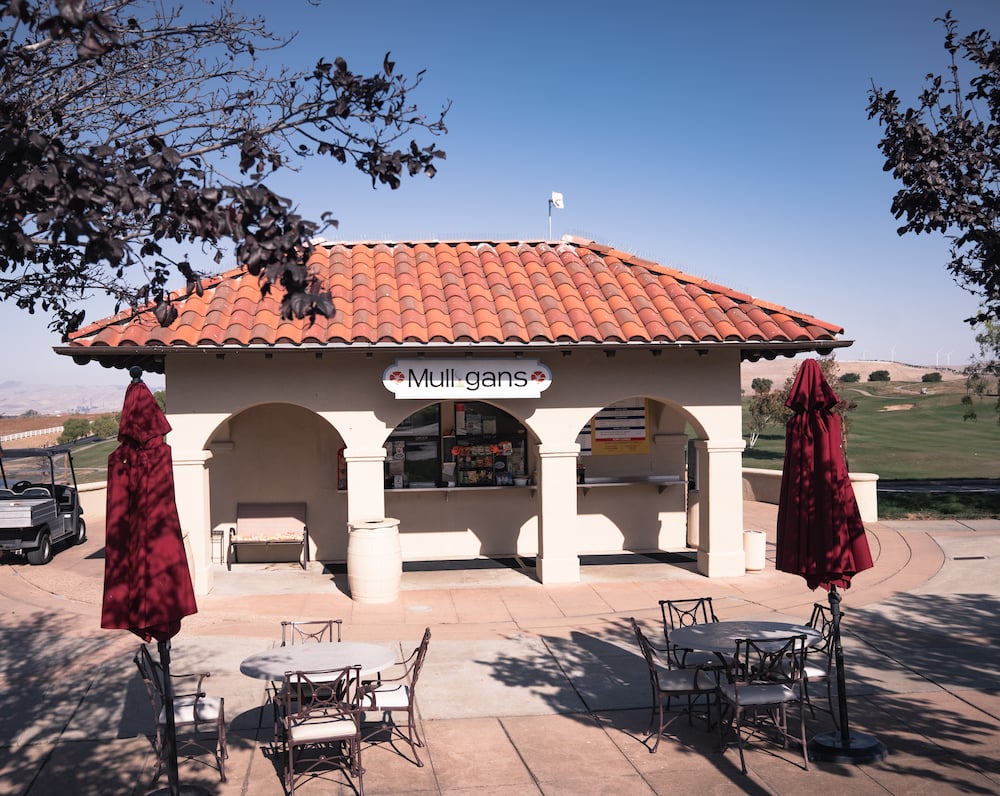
(727, 139)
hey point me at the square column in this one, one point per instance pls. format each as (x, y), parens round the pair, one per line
(365, 483)
(720, 508)
(191, 486)
(558, 559)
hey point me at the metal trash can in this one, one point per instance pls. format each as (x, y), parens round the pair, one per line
(374, 560)
(754, 544)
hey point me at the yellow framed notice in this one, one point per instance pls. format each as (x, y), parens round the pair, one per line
(620, 428)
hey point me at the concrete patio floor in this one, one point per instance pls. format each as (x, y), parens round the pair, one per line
(527, 688)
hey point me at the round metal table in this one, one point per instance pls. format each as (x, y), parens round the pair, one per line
(722, 636)
(309, 657)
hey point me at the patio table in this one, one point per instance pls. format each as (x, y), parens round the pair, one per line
(722, 636)
(273, 663)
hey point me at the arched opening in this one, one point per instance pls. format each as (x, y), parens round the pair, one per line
(457, 475)
(281, 453)
(634, 473)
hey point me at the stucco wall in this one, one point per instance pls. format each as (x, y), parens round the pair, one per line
(269, 428)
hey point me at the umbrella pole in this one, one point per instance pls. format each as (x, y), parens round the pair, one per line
(838, 656)
(170, 736)
(844, 746)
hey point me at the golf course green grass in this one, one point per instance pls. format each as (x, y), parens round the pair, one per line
(912, 431)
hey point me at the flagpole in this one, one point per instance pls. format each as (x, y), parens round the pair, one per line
(556, 201)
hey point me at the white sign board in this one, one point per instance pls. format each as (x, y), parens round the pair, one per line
(466, 379)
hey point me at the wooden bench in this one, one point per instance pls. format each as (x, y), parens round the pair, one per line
(269, 525)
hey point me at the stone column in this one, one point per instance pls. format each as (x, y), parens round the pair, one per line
(720, 537)
(365, 483)
(191, 480)
(558, 560)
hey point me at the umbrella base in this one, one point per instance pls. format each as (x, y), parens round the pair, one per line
(829, 747)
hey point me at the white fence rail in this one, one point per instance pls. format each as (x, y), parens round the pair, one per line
(35, 433)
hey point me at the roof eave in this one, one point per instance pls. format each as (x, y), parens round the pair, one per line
(152, 358)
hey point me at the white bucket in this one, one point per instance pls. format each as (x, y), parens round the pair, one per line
(374, 560)
(753, 546)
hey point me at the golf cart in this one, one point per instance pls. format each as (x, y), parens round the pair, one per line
(39, 503)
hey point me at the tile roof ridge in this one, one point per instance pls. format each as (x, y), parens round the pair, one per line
(452, 242)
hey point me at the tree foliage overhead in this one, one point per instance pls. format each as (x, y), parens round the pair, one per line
(127, 126)
(946, 154)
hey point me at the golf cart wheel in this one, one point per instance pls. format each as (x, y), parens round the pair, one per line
(43, 553)
(81, 532)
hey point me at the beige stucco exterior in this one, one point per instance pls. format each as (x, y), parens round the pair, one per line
(252, 427)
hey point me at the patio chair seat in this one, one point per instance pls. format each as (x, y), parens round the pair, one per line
(682, 680)
(767, 694)
(209, 709)
(387, 697)
(319, 730)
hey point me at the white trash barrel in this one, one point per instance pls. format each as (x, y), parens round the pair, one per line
(753, 546)
(374, 560)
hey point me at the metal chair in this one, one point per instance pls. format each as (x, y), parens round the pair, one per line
(397, 695)
(296, 632)
(202, 718)
(322, 723)
(683, 613)
(667, 684)
(293, 632)
(819, 658)
(763, 679)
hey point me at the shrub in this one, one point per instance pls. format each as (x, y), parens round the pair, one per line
(106, 426)
(850, 378)
(878, 375)
(74, 428)
(935, 376)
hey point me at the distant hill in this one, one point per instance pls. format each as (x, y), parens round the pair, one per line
(18, 397)
(778, 370)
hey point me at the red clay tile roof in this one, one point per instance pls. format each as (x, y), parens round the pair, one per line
(570, 292)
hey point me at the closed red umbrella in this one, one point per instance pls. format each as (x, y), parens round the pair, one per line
(820, 533)
(147, 583)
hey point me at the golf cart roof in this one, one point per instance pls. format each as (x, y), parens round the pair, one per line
(26, 453)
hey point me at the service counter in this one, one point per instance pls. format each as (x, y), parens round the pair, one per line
(639, 513)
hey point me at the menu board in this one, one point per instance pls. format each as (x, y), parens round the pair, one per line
(620, 428)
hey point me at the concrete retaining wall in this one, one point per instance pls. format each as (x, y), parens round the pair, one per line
(764, 486)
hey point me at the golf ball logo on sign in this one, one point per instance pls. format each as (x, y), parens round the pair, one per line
(470, 379)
